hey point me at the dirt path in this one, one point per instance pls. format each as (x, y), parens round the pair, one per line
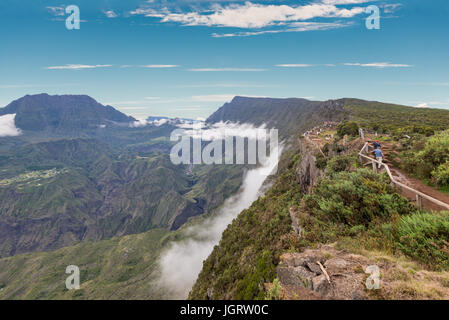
(389, 149)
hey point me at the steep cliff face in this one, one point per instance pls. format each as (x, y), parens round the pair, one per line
(307, 171)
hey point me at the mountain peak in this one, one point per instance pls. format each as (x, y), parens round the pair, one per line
(62, 113)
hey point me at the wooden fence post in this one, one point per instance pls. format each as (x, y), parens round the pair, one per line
(362, 134)
(419, 201)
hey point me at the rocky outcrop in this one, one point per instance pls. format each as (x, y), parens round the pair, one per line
(307, 172)
(340, 276)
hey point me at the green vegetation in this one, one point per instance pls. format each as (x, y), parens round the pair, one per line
(352, 207)
(118, 268)
(424, 237)
(250, 247)
(79, 194)
(360, 210)
(395, 119)
(96, 192)
(429, 159)
(31, 178)
(321, 161)
(349, 128)
(355, 199)
(342, 162)
(274, 293)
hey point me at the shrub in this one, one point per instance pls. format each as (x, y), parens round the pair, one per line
(320, 161)
(251, 286)
(341, 163)
(356, 198)
(326, 148)
(275, 292)
(424, 237)
(348, 127)
(441, 174)
(431, 160)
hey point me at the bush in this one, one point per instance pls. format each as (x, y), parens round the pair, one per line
(441, 174)
(320, 161)
(424, 237)
(251, 286)
(356, 198)
(341, 163)
(431, 160)
(348, 127)
(275, 292)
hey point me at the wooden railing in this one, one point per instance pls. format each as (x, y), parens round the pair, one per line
(419, 195)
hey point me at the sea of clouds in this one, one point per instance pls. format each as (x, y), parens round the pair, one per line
(8, 127)
(181, 263)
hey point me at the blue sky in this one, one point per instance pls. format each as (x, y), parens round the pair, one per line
(186, 58)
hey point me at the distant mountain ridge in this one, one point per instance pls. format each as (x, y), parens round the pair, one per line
(62, 113)
(287, 115)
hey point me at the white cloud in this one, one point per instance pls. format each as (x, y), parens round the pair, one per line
(148, 12)
(110, 14)
(294, 65)
(337, 2)
(301, 65)
(159, 122)
(56, 11)
(291, 27)
(139, 123)
(226, 70)
(221, 130)
(8, 126)
(200, 240)
(379, 65)
(252, 15)
(160, 66)
(391, 8)
(431, 104)
(78, 66)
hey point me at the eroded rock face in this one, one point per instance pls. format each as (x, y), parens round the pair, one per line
(299, 271)
(307, 173)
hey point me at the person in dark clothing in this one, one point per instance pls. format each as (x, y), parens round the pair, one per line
(376, 145)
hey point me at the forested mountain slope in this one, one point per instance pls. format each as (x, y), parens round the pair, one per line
(105, 198)
(265, 252)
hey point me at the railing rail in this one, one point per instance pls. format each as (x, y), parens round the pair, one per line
(419, 195)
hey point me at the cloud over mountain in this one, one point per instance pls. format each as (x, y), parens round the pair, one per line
(7, 126)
